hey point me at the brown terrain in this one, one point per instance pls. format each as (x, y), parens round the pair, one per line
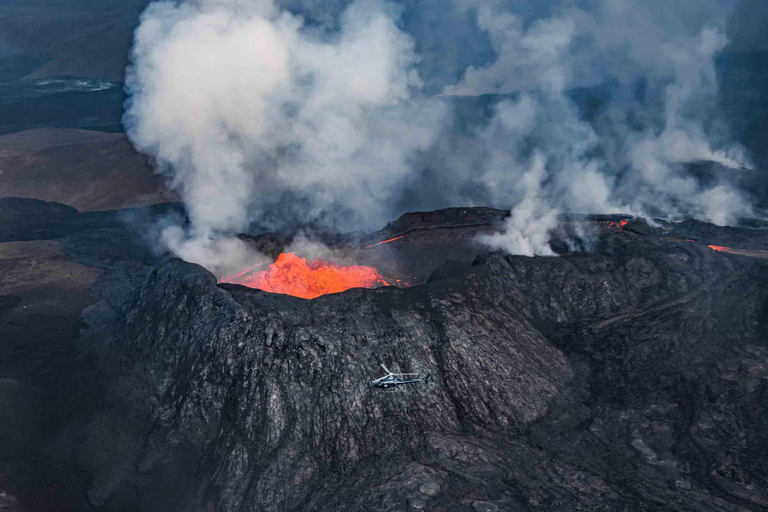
(87, 170)
(42, 295)
(43, 291)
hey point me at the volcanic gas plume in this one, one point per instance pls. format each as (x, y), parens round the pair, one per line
(293, 275)
(344, 114)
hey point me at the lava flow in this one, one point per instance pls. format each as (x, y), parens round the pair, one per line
(293, 275)
(384, 242)
(616, 224)
(752, 253)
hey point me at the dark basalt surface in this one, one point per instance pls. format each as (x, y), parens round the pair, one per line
(631, 378)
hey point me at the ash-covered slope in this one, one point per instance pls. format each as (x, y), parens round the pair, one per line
(635, 378)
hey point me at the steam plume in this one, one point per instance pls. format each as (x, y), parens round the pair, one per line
(304, 111)
(250, 111)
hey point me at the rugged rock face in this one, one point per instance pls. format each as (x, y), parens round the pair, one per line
(632, 378)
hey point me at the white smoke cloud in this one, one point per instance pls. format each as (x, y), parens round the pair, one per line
(256, 113)
(632, 157)
(246, 109)
(527, 229)
(223, 256)
(528, 59)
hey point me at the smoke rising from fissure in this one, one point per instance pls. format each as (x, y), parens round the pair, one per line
(273, 113)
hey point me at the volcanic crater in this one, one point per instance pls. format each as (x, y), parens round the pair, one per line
(632, 377)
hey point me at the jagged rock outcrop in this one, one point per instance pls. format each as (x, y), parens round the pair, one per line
(633, 378)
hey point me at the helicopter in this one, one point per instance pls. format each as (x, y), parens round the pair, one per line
(395, 379)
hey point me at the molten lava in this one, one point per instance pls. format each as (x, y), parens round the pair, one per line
(384, 242)
(616, 224)
(752, 253)
(293, 275)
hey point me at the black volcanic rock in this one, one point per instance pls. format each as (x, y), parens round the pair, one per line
(628, 378)
(453, 217)
(634, 378)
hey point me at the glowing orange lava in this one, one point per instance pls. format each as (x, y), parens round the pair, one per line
(293, 275)
(384, 242)
(616, 224)
(752, 253)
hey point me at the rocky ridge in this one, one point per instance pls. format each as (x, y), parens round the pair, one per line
(631, 378)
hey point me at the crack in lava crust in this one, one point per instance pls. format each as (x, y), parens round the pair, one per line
(293, 275)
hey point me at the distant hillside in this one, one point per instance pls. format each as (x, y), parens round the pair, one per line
(92, 38)
(66, 39)
(84, 169)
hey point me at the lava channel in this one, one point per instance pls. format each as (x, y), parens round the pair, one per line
(752, 253)
(384, 242)
(293, 275)
(615, 224)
